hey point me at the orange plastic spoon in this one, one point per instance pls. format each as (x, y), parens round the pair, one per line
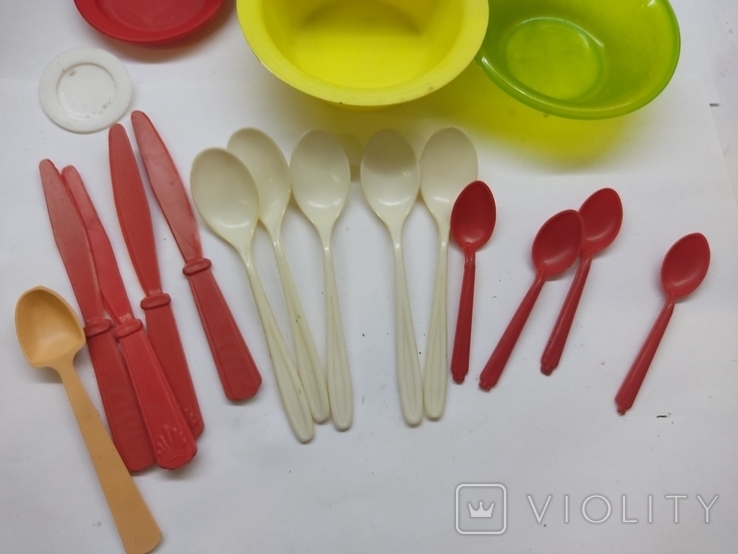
(50, 335)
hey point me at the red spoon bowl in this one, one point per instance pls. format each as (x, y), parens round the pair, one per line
(602, 216)
(557, 244)
(685, 266)
(148, 21)
(473, 216)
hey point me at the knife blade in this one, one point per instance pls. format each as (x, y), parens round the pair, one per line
(116, 390)
(238, 373)
(174, 444)
(135, 222)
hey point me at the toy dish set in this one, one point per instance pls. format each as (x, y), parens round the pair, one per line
(569, 58)
(574, 59)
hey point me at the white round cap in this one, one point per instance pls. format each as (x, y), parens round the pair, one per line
(85, 90)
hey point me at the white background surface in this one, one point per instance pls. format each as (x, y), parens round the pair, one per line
(382, 486)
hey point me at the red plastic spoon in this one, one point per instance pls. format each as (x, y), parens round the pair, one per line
(472, 221)
(555, 248)
(602, 215)
(685, 266)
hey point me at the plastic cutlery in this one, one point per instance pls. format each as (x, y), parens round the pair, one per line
(472, 222)
(135, 222)
(390, 178)
(238, 373)
(119, 400)
(226, 197)
(685, 266)
(174, 444)
(447, 165)
(555, 248)
(602, 214)
(268, 166)
(50, 336)
(321, 178)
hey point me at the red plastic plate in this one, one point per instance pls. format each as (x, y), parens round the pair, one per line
(147, 21)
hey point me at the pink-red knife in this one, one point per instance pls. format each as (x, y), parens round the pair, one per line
(135, 222)
(116, 391)
(238, 373)
(174, 444)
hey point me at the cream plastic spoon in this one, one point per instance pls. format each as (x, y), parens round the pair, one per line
(321, 178)
(225, 195)
(390, 178)
(268, 166)
(447, 165)
(50, 335)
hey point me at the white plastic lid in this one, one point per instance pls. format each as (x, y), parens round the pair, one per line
(85, 90)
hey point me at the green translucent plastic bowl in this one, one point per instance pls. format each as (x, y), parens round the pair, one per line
(583, 59)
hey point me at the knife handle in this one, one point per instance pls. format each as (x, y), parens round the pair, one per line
(118, 397)
(238, 373)
(161, 328)
(170, 435)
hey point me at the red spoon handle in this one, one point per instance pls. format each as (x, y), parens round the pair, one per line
(462, 338)
(161, 328)
(555, 346)
(238, 373)
(170, 435)
(116, 391)
(633, 381)
(496, 363)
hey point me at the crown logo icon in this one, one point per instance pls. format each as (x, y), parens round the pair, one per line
(480, 512)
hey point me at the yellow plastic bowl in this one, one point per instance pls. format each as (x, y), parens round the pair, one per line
(585, 59)
(364, 52)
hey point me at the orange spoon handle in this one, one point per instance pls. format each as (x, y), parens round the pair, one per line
(497, 361)
(136, 526)
(462, 337)
(556, 342)
(633, 381)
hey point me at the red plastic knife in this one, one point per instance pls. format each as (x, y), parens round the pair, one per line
(174, 444)
(135, 222)
(116, 391)
(238, 373)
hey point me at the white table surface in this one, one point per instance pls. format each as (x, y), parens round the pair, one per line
(382, 486)
(718, 20)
